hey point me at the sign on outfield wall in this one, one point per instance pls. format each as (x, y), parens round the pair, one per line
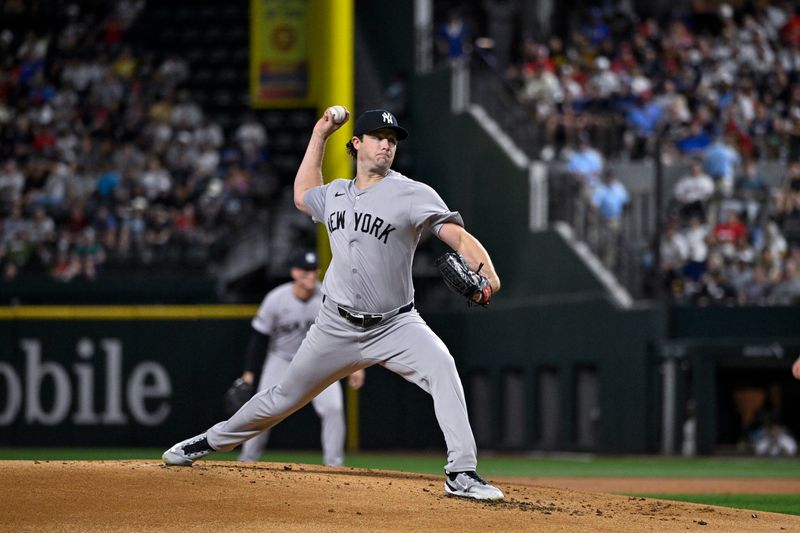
(126, 382)
(280, 67)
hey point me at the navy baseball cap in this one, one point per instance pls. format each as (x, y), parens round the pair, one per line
(306, 260)
(377, 119)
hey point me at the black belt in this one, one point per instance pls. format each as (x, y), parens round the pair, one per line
(366, 320)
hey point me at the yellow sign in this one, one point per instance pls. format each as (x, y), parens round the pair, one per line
(279, 53)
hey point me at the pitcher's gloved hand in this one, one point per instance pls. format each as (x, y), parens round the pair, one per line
(460, 279)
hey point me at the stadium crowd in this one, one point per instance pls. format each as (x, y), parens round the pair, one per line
(719, 88)
(739, 248)
(105, 157)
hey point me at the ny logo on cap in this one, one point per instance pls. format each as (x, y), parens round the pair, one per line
(387, 117)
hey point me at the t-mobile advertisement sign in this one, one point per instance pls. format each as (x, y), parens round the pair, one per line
(73, 388)
(114, 383)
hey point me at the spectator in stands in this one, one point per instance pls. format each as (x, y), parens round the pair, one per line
(172, 71)
(752, 285)
(67, 264)
(453, 39)
(186, 114)
(608, 203)
(156, 181)
(132, 231)
(251, 138)
(696, 236)
(693, 192)
(751, 192)
(13, 224)
(764, 129)
(539, 89)
(674, 252)
(105, 226)
(787, 290)
(721, 161)
(158, 232)
(107, 182)
(42, 236)
(207, 162)
(586, 164)
(788, 204)
(715, 289)
(12, 183)
(642, 121)
(17, 250)
(728, 233)
(790, 125)
(774, 244)
(90, 253)
(694, 139)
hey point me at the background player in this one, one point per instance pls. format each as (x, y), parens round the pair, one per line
(280, 325)
(367, 317)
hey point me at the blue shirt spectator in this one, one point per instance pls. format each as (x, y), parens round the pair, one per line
(586, 163)
(452, 36)
(107, 182)
(610, 198)
(696, 140)
(645, 117)
(720, 161)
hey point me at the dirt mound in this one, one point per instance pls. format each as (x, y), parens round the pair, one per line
(144, 495)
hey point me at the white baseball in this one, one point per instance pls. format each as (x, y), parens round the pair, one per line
(337, 113)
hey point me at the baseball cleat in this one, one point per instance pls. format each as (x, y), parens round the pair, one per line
(188, 451)
(470, 485)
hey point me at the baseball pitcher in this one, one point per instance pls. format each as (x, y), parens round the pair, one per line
(374, 222)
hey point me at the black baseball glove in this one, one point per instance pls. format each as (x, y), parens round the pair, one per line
(236, 396)
(463, 281)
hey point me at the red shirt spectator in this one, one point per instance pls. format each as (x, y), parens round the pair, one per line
(791, 30)
(731, 230)
(113, 31)
(76, 221)
(44, 140)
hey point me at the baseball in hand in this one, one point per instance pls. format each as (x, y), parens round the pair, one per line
(337, 113)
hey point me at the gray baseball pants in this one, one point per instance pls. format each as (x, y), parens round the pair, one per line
(329, 406)
(335, 348)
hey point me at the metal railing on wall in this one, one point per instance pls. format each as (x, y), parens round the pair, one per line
(478, 83)
(490, 90)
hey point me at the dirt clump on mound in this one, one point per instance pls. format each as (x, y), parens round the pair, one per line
(226, 496)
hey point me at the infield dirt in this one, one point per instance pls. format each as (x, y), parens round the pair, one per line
(224, 496)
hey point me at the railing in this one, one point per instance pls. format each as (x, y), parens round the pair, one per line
(490, 90)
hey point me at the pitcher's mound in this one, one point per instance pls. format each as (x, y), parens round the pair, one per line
(216, 496)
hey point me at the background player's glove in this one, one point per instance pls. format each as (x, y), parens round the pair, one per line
(460, 279)
(236, 396)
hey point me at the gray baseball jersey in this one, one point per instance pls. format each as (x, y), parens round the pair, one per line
(373, 233)
(286, 319)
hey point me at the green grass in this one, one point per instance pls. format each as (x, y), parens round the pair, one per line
(514, 465)
(774, 503)
(511, 465)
